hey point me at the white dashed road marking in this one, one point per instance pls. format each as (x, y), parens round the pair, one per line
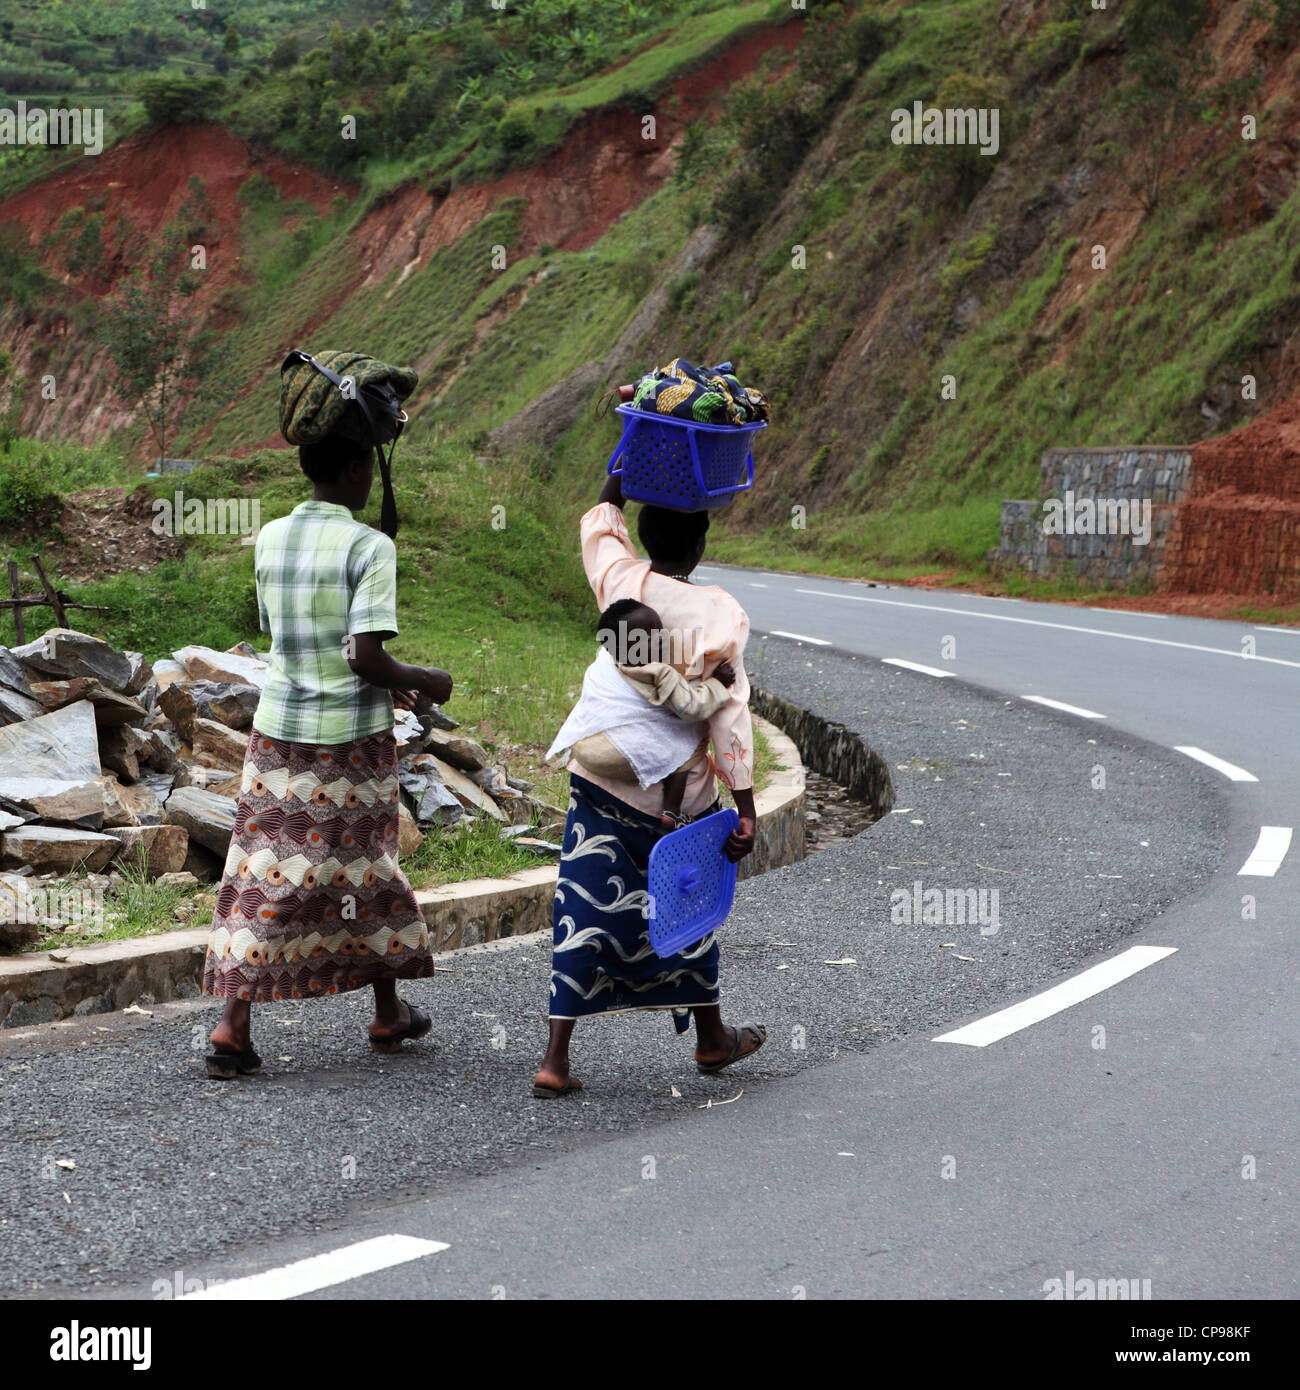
(320, 1271)
(914, 666)
(1229, 770)
(1269, 852)
(799, 637)
(1234, 652)
(1068, 709)
(1063, 996)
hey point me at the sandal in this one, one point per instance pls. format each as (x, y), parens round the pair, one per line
(751, 1030)
(392, 1042)
(225, 1066)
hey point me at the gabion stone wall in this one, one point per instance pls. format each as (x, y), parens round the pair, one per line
(1103, 515)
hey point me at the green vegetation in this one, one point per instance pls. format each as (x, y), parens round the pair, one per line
(474, 849)
(133, 905)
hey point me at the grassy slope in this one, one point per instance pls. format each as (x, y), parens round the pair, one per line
(894, 480)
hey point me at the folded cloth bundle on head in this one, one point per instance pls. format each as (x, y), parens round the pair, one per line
(704, 395)
(351, 394)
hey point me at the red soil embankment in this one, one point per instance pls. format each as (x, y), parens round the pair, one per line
(604, 168)
(1238, 529)
(145, 180)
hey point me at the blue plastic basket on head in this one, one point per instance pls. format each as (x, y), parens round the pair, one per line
(692, 883)
(676, 463)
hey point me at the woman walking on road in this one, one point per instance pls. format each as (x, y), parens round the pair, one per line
(312, 901)
(602, 960)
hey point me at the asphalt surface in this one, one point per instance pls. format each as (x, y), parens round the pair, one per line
(823, 1171)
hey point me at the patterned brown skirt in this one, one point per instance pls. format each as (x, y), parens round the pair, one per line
(312, 901)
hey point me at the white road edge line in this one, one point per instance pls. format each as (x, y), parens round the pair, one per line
(1233, 652)
(800, 637)
(914, 666)
(1063, 996)
(1229, 770)
(1269, 852)
(1132, 612)
(1068, 709)
(320, 1271)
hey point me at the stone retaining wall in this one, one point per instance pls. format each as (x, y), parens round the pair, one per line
(1157, 475)
(831, 749)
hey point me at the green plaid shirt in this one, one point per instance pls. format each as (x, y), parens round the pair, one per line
(321, 577)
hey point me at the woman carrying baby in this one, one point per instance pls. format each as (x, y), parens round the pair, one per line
(602, 960)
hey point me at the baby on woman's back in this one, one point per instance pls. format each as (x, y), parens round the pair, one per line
(638, 718)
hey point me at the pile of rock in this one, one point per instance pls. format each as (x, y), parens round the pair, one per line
(107, 759)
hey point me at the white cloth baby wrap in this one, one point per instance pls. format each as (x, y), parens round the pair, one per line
(654, 741)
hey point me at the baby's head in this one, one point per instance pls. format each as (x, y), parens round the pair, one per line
(631, 632)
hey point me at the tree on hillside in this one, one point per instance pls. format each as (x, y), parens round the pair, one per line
(1160, 100)
(180, 100)
(157, 356)
(11, 390)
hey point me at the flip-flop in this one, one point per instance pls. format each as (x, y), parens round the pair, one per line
(753, 1030)
(392, 1042)
(552, 1092)
(225, 1066)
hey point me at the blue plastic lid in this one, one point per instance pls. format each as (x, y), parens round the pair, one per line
(692, 883)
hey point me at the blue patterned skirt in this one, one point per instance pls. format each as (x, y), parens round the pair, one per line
(601, 958)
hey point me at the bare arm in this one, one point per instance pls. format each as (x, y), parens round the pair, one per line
(741, 840)
(368, 659)
(613, 488)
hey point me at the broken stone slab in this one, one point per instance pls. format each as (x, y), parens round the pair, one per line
(110, 707)
(471, 796)
(167, 671)
(56, 848)
(164, 751)
(19, 920)
(10, 819)
(432, 803)
(14, 708)
(180, 879)
(148, 694)
(408, 832)
(228, 702)
(13, 674)
(164, 847)
(245, 649)
(493, 781)
(117, 809)
(177, 703)
(79, 805)
(209, 818)
(144, 799)
(544, 849)
(141, 673)
(216, 746)
(63, 652)
(121, 749)
(457, 750)
(63, 745)
(205, 664)
(62, 750)
(432, 717)
(407, 730)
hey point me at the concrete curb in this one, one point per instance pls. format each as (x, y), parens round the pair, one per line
(49, 985)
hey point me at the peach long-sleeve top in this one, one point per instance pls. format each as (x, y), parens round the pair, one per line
(713, 628)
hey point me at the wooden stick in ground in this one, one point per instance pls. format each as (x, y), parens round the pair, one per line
(51, 597)
(16, 609)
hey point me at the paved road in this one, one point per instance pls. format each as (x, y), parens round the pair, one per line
(1146, 1132)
